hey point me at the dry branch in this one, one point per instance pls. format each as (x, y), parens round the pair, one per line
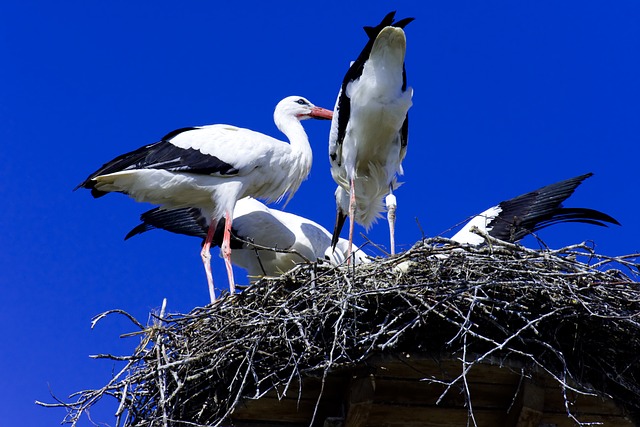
(570, 312)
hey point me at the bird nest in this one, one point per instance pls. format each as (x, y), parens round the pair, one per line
(571, 313)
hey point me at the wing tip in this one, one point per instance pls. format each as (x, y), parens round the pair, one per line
(387, 21)
(139, 229)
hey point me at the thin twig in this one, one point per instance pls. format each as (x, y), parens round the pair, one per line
(480, 304)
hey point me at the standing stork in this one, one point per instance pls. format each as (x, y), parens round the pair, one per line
(293, 238)
(211, 167)
(513, 219)
(368, 139)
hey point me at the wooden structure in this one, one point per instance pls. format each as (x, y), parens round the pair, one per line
(413, 390)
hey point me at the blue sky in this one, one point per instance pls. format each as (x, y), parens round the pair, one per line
(508, 97)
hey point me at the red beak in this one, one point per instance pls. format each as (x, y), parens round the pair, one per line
(321, 113)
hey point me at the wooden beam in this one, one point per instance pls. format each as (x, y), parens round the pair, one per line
(361, 391)
(333, 422)
(528, 408)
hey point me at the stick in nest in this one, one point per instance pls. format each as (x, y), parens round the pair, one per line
(571, 313)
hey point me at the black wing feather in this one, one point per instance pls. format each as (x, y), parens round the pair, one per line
(539, 209)
(162, 155)
(186, 221)
(582, 215)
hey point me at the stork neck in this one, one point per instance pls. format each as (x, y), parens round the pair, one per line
(298, 138)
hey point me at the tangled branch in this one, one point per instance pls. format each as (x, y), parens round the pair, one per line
(570, 312)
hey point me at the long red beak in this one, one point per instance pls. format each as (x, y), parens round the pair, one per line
(321, 113)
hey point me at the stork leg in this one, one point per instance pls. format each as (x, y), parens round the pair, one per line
(206, 258)
(391, 203)
(352, 212)
(226, 252)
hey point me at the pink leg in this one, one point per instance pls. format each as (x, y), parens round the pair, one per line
(352, 212)
(226, 252)
(206, 259)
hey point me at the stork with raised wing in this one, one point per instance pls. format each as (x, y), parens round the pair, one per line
(369, 131)
(513, 219)
(211, 167)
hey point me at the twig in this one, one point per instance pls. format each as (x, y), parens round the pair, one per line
(481, 304)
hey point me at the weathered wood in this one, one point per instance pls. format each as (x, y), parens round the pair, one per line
(334, 385)
(400, 393)
(413, 416)
(361, 392)
(562, 420)
(584, 404)
(528, 408)
(287, 410)
(446, 370)
(412, 392)
(333, 422)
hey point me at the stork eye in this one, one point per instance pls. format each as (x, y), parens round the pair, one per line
(302, 102)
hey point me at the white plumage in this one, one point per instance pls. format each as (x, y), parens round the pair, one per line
(211, 167)
(301, 238)
(369, 130)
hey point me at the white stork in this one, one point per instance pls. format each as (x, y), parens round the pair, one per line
(256, 223)
(211, 167)
(368, 139)
(513, 219)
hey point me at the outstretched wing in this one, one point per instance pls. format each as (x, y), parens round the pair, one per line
(512, 220)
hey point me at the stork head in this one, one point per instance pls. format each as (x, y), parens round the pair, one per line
(339, 255)
(300, 108)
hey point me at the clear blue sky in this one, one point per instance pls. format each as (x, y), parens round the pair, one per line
(508, 98)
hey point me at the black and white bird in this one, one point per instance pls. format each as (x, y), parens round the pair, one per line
(253, 222)
(211, 167)
(513, 219)
(368, 139)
